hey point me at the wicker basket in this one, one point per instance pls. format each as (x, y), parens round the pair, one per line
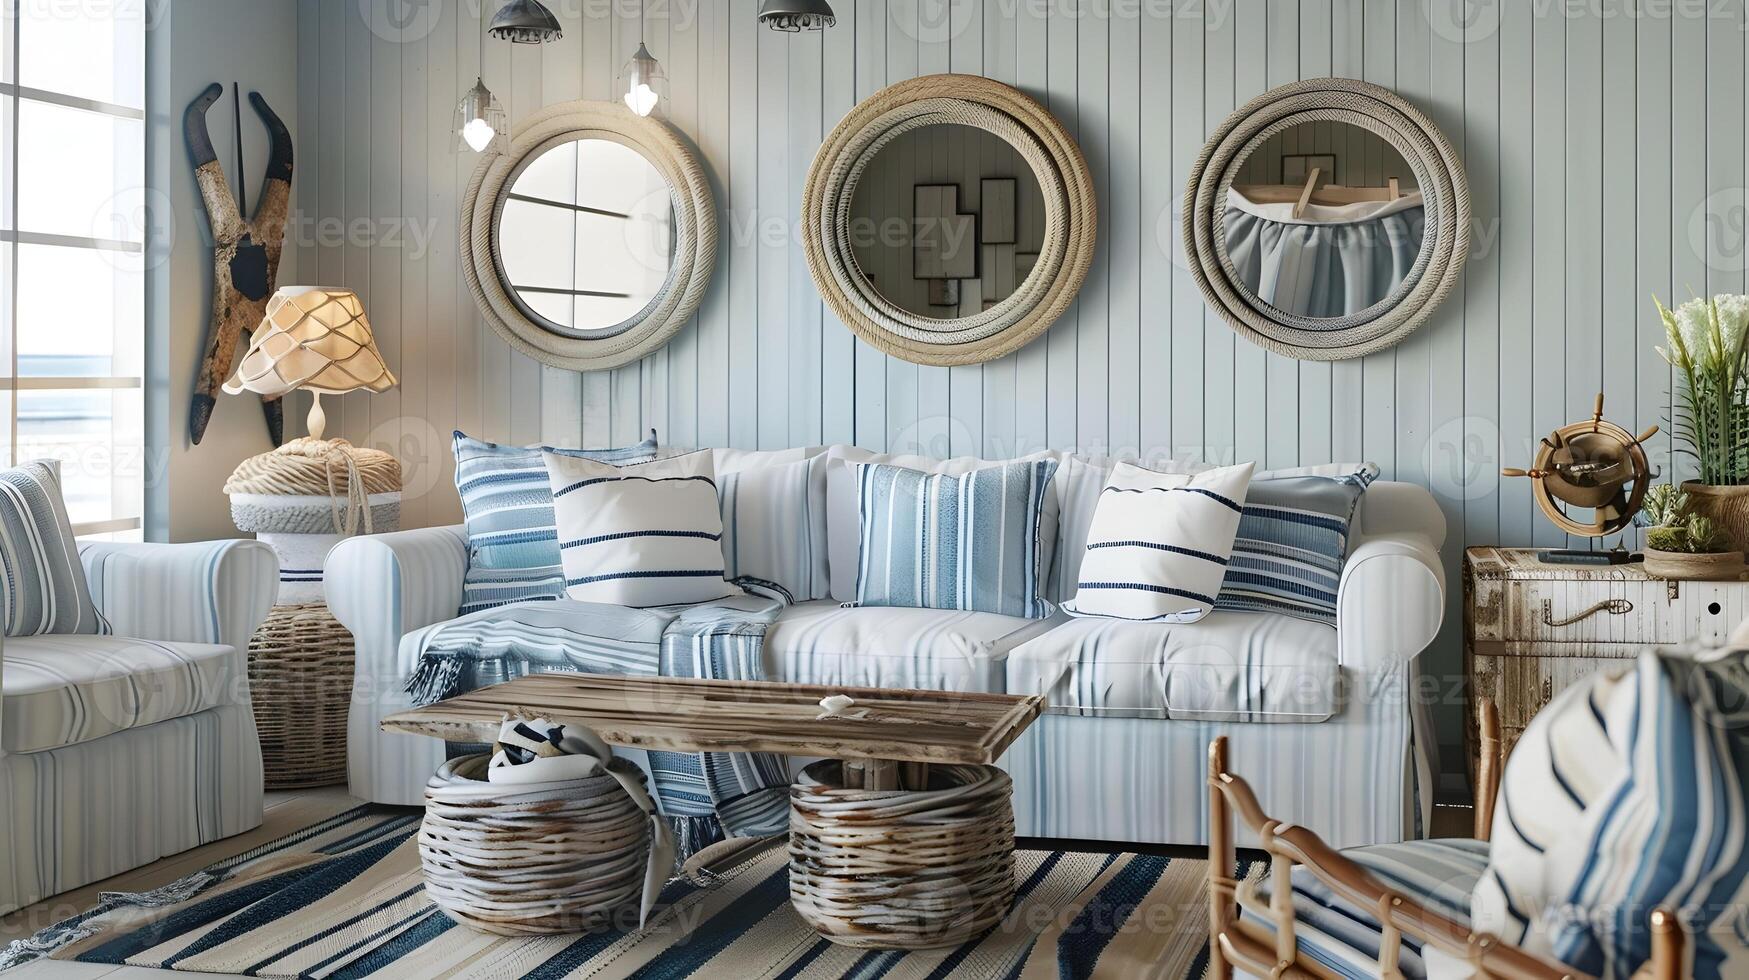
(902, 869)
(300, 679)
(532, 859)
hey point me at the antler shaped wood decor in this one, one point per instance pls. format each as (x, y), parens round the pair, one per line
(245, 252)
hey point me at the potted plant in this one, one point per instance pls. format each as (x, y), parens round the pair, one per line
(1685, 545)
(1709, 348)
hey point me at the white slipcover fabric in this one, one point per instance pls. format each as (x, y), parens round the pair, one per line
(1229, 666)
(62, 690)
(924, 649)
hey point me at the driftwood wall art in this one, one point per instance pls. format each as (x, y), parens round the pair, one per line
(245, 252)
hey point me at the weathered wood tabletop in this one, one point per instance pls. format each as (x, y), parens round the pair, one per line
(682, 715)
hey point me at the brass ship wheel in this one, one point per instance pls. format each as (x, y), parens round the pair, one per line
(1595, 465)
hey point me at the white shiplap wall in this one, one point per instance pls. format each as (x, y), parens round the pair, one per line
(1603, 140)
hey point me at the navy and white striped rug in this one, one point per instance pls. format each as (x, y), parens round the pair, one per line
(344, 899)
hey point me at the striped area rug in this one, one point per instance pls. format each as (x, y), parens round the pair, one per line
(344, 899)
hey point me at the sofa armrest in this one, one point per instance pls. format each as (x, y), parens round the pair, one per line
(1391, 601)
(382, 587)
(209, 592)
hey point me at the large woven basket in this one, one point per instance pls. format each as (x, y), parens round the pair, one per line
(300, 679)
(902, 869)
(536, 859)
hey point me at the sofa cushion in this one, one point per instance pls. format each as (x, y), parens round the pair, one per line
(774, 518)
(46, 591)
(923, 649)
(1345, 939)
(62, 690)
(1245, 667)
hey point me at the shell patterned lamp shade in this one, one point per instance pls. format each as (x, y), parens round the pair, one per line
(315, 339)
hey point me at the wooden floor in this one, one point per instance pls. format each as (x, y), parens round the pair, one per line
(287, 812)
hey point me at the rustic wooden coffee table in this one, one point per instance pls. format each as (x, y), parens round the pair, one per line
(902, 838)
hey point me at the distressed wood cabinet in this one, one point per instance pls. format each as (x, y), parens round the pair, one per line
(1532, 629)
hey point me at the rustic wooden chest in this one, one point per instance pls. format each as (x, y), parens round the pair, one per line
(1532, 629)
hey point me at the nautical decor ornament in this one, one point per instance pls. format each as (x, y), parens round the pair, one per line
(1595, 465)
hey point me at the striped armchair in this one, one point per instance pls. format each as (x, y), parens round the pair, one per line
(119, 749)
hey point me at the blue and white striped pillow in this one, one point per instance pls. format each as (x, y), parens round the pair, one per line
(513, 546)
(774, 517)
(1159, 544)
(648, 534)
(46, 591)
(968, 542)
(1623, 795)
(1293, 540)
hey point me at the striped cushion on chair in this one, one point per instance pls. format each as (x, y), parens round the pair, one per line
(1631, 797)
(46, 591)
(649, 534)
(513, 548)
(972, 542)
(1292, 542)
(1345, 939)
(1159, 544)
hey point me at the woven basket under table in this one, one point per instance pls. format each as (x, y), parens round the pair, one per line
(300, 679)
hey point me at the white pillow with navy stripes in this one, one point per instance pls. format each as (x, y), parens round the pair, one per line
(1159, 544)
(649, 534)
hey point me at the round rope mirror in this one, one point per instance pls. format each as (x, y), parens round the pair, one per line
(1326, 219)
(589, 243)
(949, 220)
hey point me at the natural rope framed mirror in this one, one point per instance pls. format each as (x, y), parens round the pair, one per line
(949, 219)
(1326, 219)
(590, 242)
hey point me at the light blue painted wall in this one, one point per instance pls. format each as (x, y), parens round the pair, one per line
(1605, 149)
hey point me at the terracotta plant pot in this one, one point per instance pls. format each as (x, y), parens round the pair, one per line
(1727, 506)
(1725, 565)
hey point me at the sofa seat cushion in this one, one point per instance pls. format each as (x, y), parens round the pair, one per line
(922, 649)
(1345, 939)
(1228, 666)
(62, 690)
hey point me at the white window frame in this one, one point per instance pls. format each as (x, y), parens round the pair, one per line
(16, 94)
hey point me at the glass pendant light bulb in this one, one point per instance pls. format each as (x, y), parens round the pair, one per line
(480, 120)
(643, 84)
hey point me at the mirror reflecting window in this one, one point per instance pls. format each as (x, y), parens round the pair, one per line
(947, 221)
(586, 237)
(1324, 220)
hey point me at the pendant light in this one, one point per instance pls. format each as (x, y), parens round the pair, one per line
(642, 82)
(481, 124)
(791, 16)
(525, 22)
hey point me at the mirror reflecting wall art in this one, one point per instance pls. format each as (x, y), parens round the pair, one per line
(949, 219)
(592, 241)
(1327, 219)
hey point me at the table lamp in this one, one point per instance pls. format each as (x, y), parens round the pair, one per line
(315, 339)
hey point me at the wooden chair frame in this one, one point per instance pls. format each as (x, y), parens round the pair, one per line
(1253, 948)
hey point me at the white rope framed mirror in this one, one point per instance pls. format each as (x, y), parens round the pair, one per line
(1326, 219)
(591, 241)
(949, 219)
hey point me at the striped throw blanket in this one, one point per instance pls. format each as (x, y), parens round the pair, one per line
(705, 795)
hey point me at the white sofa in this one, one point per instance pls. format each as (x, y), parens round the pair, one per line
(118, 750)
(1322, 719)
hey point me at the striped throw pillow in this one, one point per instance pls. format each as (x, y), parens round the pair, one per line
(774, 518)
(648, 534)
(1293, 540)
(969, 542)
(1625, 794)
(513, 547)
(1159, 544)
(46, 591)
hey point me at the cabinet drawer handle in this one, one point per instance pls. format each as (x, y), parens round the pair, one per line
(1615, 607)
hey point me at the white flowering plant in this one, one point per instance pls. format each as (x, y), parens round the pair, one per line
(1709, 348)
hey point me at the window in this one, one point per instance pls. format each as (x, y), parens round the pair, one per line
(73, 230)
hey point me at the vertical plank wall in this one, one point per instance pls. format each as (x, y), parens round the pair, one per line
(1605, 146)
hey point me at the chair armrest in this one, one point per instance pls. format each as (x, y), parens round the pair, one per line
(1391, 601)
(382, 587)
(208, 592)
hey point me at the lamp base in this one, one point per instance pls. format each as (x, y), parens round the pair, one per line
(317, 422)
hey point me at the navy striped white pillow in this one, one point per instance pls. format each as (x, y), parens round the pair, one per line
(649, 534)
(1159, 544)
(46, 591)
